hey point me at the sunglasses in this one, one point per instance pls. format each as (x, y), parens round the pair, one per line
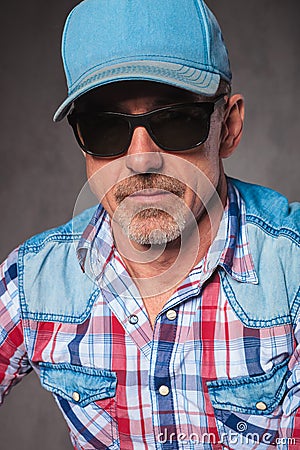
(173, 128)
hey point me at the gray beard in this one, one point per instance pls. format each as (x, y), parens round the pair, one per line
(151, 225)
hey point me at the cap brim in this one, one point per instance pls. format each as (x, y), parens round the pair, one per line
(194, 80)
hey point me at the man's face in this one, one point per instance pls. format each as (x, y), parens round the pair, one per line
(151, 193)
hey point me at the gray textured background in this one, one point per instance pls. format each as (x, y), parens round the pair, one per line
(42, 170)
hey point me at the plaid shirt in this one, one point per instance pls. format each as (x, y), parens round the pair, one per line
(161, 399)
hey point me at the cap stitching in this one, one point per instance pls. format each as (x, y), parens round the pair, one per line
(130, 69)
(68, 74)
(174, 60)
(200, 8)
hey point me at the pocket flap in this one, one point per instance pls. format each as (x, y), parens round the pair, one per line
(77, 384)
(251, 395)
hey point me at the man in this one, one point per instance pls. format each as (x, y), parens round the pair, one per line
(166, 317)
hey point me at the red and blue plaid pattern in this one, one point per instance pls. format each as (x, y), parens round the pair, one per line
(204, 341)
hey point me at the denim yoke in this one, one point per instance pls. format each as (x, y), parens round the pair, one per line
(52, 287)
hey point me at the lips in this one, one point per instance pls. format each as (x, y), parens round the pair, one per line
(149, 193)
(151, 196)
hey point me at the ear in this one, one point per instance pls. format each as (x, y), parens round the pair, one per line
(232, 125)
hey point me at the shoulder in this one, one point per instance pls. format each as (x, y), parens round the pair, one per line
(9, 273)
(270, 210)
(274, 243)
(68, 232)
(51, 281)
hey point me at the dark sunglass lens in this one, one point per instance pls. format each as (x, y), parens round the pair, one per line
(103, 135)
(181, 128)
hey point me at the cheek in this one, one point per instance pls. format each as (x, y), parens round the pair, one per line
(206, 161)
(103, 175)
(97, 171)
(91, 165)
(211, 154)
(203, 184)
(213, 140)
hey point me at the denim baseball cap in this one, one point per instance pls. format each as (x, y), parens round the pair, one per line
(176, 42)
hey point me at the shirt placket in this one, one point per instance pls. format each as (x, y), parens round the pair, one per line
(161, 380)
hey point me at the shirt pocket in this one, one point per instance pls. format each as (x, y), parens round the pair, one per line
(87, 399)
(248, 409)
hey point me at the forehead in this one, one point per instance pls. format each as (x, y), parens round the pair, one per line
(123, 92)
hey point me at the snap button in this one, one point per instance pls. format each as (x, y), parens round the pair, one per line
(133, 319)
(261, 406)
(163, 390)
(76, 396)
(171, 314)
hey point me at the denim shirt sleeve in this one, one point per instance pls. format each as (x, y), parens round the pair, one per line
(14, 364)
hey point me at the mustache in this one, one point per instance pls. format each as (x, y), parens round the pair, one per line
(141, 182)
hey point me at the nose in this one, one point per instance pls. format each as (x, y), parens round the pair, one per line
(143, 155)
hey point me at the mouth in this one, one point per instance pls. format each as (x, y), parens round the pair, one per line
(150, 196)
(150, 193)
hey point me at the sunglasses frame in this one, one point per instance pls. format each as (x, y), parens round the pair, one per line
(143, 119)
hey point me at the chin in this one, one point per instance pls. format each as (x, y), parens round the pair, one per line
(153, 227)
